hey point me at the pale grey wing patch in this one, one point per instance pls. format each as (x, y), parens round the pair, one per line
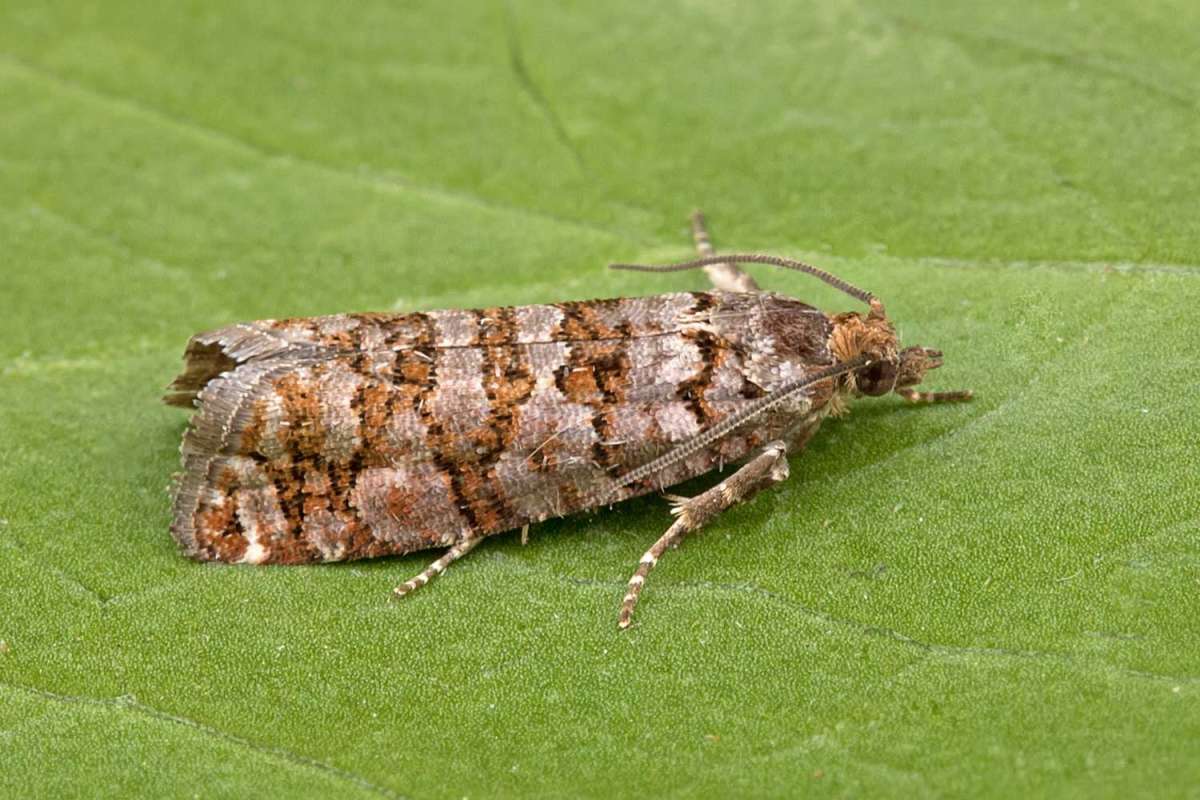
(405, 501)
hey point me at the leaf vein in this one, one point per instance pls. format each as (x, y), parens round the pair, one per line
(132, 705)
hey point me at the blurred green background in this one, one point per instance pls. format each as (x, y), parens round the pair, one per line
(995, 599)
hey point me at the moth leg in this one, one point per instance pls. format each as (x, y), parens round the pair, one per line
(913, 396)
(768, 467)
(726, 277)
(438, 567)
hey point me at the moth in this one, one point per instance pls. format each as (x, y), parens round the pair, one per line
(361, 435)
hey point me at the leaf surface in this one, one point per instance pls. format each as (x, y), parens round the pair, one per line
(994, 599)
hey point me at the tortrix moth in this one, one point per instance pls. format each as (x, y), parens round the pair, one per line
(362, 435)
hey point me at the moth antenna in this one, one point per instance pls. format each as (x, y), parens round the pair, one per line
(759, 258)
(704, 438)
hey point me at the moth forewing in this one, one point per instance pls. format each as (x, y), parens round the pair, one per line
(362, 435)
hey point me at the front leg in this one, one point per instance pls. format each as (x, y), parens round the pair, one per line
(913, 396)
(768, 467)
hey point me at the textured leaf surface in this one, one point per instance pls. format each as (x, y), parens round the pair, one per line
(992, 599)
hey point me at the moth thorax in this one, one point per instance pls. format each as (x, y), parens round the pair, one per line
(873, 336)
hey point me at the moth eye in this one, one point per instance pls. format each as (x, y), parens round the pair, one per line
(877, 379)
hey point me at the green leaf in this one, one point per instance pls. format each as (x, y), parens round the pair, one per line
(993, 599)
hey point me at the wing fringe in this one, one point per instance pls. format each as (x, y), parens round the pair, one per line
(213, 353)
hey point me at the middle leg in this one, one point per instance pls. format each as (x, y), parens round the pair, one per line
(768, 467)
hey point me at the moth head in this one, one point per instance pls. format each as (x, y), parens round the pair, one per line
(906, 369)
(914, 363)
(877, 377)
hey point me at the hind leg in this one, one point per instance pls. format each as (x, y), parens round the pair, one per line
(437, 567)
(726, 277)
